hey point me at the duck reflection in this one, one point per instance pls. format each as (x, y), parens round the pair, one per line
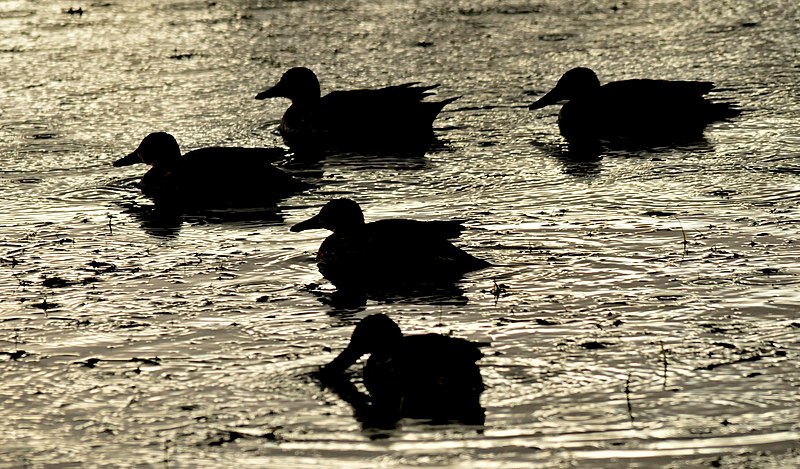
(428, 376)
(156, 223)
(582, 161)
(343, 300)
(166, 222)
(585, 159)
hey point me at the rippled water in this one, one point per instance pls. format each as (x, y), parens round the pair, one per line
(650, 309)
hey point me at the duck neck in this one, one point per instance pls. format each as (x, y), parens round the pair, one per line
(305, 102)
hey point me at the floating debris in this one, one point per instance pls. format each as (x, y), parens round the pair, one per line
(181, 56)
(89, 362)
(594, 345)
(100, 266)
(723, 193)
(15, 355)
(57, 282)
(659, 213)
(44, 305)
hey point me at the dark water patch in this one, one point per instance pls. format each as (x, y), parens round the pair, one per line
(57, 282)
(732, 27)
(521, 9)
(556, 37)
(15, 355)
(770, 276)
(45, 305)
(183, 55)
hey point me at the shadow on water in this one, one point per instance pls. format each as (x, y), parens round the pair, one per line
(166, 223)
(582, 162)
(307, 164)
(584, 159)
(349, 300)
(378, 422)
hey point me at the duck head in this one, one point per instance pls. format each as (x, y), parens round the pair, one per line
(299, 84)
(338, 214)
(576, 83)
(156, 148)
(374, 333)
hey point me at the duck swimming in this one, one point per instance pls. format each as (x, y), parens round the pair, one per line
(638, 110)
(394, 119)
(214, 177)
(386, 253)
(420, 376)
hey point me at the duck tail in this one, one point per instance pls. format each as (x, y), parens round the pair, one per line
(447, 101)
(724, 110)
(423, 91)
(433, 108)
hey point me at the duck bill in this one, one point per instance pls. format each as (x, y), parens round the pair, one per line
(274, 92)
(338, 365)
(313, 223)
(133, 158)
(553, 97)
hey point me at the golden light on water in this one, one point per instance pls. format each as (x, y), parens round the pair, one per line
(642, 307)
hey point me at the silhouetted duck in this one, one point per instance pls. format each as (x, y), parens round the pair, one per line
(638, 110)
(394, 119)
(386, 253)
(420, 376)
(215, 177)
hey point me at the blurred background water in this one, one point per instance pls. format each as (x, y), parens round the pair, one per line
(649, 309)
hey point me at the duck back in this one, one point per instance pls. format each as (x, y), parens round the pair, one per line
(221, 177)
(395, 251)
(392, 118)
(427, 376)
(647, 110)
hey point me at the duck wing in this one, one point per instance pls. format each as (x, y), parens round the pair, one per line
(428, 376)
(400, 105)
(657, 89)
(443, 350)
(395, 253)
(224, 177)
(421, 250)
(398, 227)
(212, 156)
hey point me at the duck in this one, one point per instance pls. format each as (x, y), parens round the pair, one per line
(641, 110)
(390, 253)
(213, 177)
(426, 376)
(394, 119)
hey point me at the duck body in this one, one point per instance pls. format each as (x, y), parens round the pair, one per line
(658, 111)
(419, 376)
(393, 119)
(387, 253)
(213, 177)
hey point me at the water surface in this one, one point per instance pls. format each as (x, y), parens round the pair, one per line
(649, 316)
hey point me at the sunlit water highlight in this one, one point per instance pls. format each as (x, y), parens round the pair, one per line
(649, 316)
